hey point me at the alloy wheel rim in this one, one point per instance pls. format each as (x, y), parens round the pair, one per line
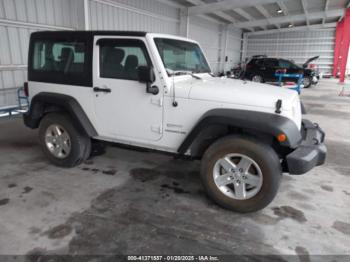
(58, 141)
(257, 79)
(238, 176)
(306, 81)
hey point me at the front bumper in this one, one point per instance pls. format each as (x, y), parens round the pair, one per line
(310, 153)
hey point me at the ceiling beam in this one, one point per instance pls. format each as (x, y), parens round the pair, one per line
(245, 15)
(265, 13)
(304, 4)
(296, 28)
(325, 9)
(225, 5)
(290, 18)
(283, 7)
(170, 3)
(220, 14)
(196, 2)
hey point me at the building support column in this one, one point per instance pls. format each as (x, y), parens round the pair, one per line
(87, 14)
(244, 47)
(223, 53)
(344, 50)
(184, 22)
(337, 46)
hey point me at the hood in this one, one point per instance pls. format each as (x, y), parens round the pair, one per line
(310, 60)
(239, 92)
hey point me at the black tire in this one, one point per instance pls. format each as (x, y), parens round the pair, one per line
(80, 143)
(262, 154)
(98, 148)
(309, 81)
(257, 77)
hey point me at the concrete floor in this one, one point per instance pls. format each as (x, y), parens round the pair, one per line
(128, 202)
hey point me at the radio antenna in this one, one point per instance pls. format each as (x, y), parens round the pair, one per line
(175, 104)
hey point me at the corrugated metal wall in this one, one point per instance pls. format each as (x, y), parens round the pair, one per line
(18, 18)
(298, 46)
(156, 17)
(215, 44)
(208, 34)
(234, 48)
(146, 15)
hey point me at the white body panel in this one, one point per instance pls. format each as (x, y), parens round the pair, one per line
(128, 112)
(131, 116)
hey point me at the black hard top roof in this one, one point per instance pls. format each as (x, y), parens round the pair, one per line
(86, 33)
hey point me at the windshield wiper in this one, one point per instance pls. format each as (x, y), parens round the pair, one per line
(174, 73)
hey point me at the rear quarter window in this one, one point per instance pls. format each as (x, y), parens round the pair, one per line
(60, 57)
(61, 61)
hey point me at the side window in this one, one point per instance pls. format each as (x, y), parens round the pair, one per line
(59, 57)
(271, 63)
(120, 58)
(285, 64)
(259, 62)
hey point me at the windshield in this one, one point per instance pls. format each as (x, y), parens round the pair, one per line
(180, 55)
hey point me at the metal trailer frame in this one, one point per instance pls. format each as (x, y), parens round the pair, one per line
(21, 107)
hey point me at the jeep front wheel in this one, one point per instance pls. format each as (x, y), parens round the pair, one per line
(241, 174)
(62, 142)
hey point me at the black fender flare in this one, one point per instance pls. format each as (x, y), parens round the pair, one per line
(271, 124)
(43, 100)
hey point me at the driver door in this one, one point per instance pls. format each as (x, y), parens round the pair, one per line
(124, 111)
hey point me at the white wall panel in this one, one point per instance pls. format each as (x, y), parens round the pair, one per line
(147, 15)
(18, 19)
(234, 45)
(298, 46)
(208, 34)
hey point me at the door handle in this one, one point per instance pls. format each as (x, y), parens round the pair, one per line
(105, 90)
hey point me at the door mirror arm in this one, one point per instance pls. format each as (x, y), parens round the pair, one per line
(154, 90)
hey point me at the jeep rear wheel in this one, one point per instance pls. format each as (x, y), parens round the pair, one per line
(62, 142)
(241, 174)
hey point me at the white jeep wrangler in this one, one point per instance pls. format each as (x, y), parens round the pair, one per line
(157, 92)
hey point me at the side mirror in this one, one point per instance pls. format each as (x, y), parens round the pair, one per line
(146, 75)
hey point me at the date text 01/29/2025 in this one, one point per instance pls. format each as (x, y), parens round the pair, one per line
(173, 258)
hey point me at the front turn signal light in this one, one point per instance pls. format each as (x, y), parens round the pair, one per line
(282, 138)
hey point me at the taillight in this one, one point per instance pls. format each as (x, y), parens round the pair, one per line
(26, 89)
